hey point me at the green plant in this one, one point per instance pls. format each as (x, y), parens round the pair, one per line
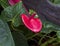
(14, 33)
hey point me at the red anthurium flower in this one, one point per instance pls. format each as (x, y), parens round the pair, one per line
(13, 2)
(34, 24)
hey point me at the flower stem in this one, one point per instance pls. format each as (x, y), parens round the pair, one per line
(49, 41)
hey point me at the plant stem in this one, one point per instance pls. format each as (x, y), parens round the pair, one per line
(41, 39)
(33, 36)
(13, 27)
(49, 41)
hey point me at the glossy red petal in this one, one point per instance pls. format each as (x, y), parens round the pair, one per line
(34, 24)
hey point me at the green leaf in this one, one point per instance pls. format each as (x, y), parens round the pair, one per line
(58, 36)
(4, 3)
(12, 13)
(16, 22)
(57, 1)
(5, 35)
(49, 27)
(31, 11)
(19, 39)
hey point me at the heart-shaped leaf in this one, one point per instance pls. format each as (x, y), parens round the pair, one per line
(5, 35)
(12, 13)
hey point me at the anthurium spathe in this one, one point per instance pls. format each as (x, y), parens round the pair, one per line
(34, 24)
(13, 2)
